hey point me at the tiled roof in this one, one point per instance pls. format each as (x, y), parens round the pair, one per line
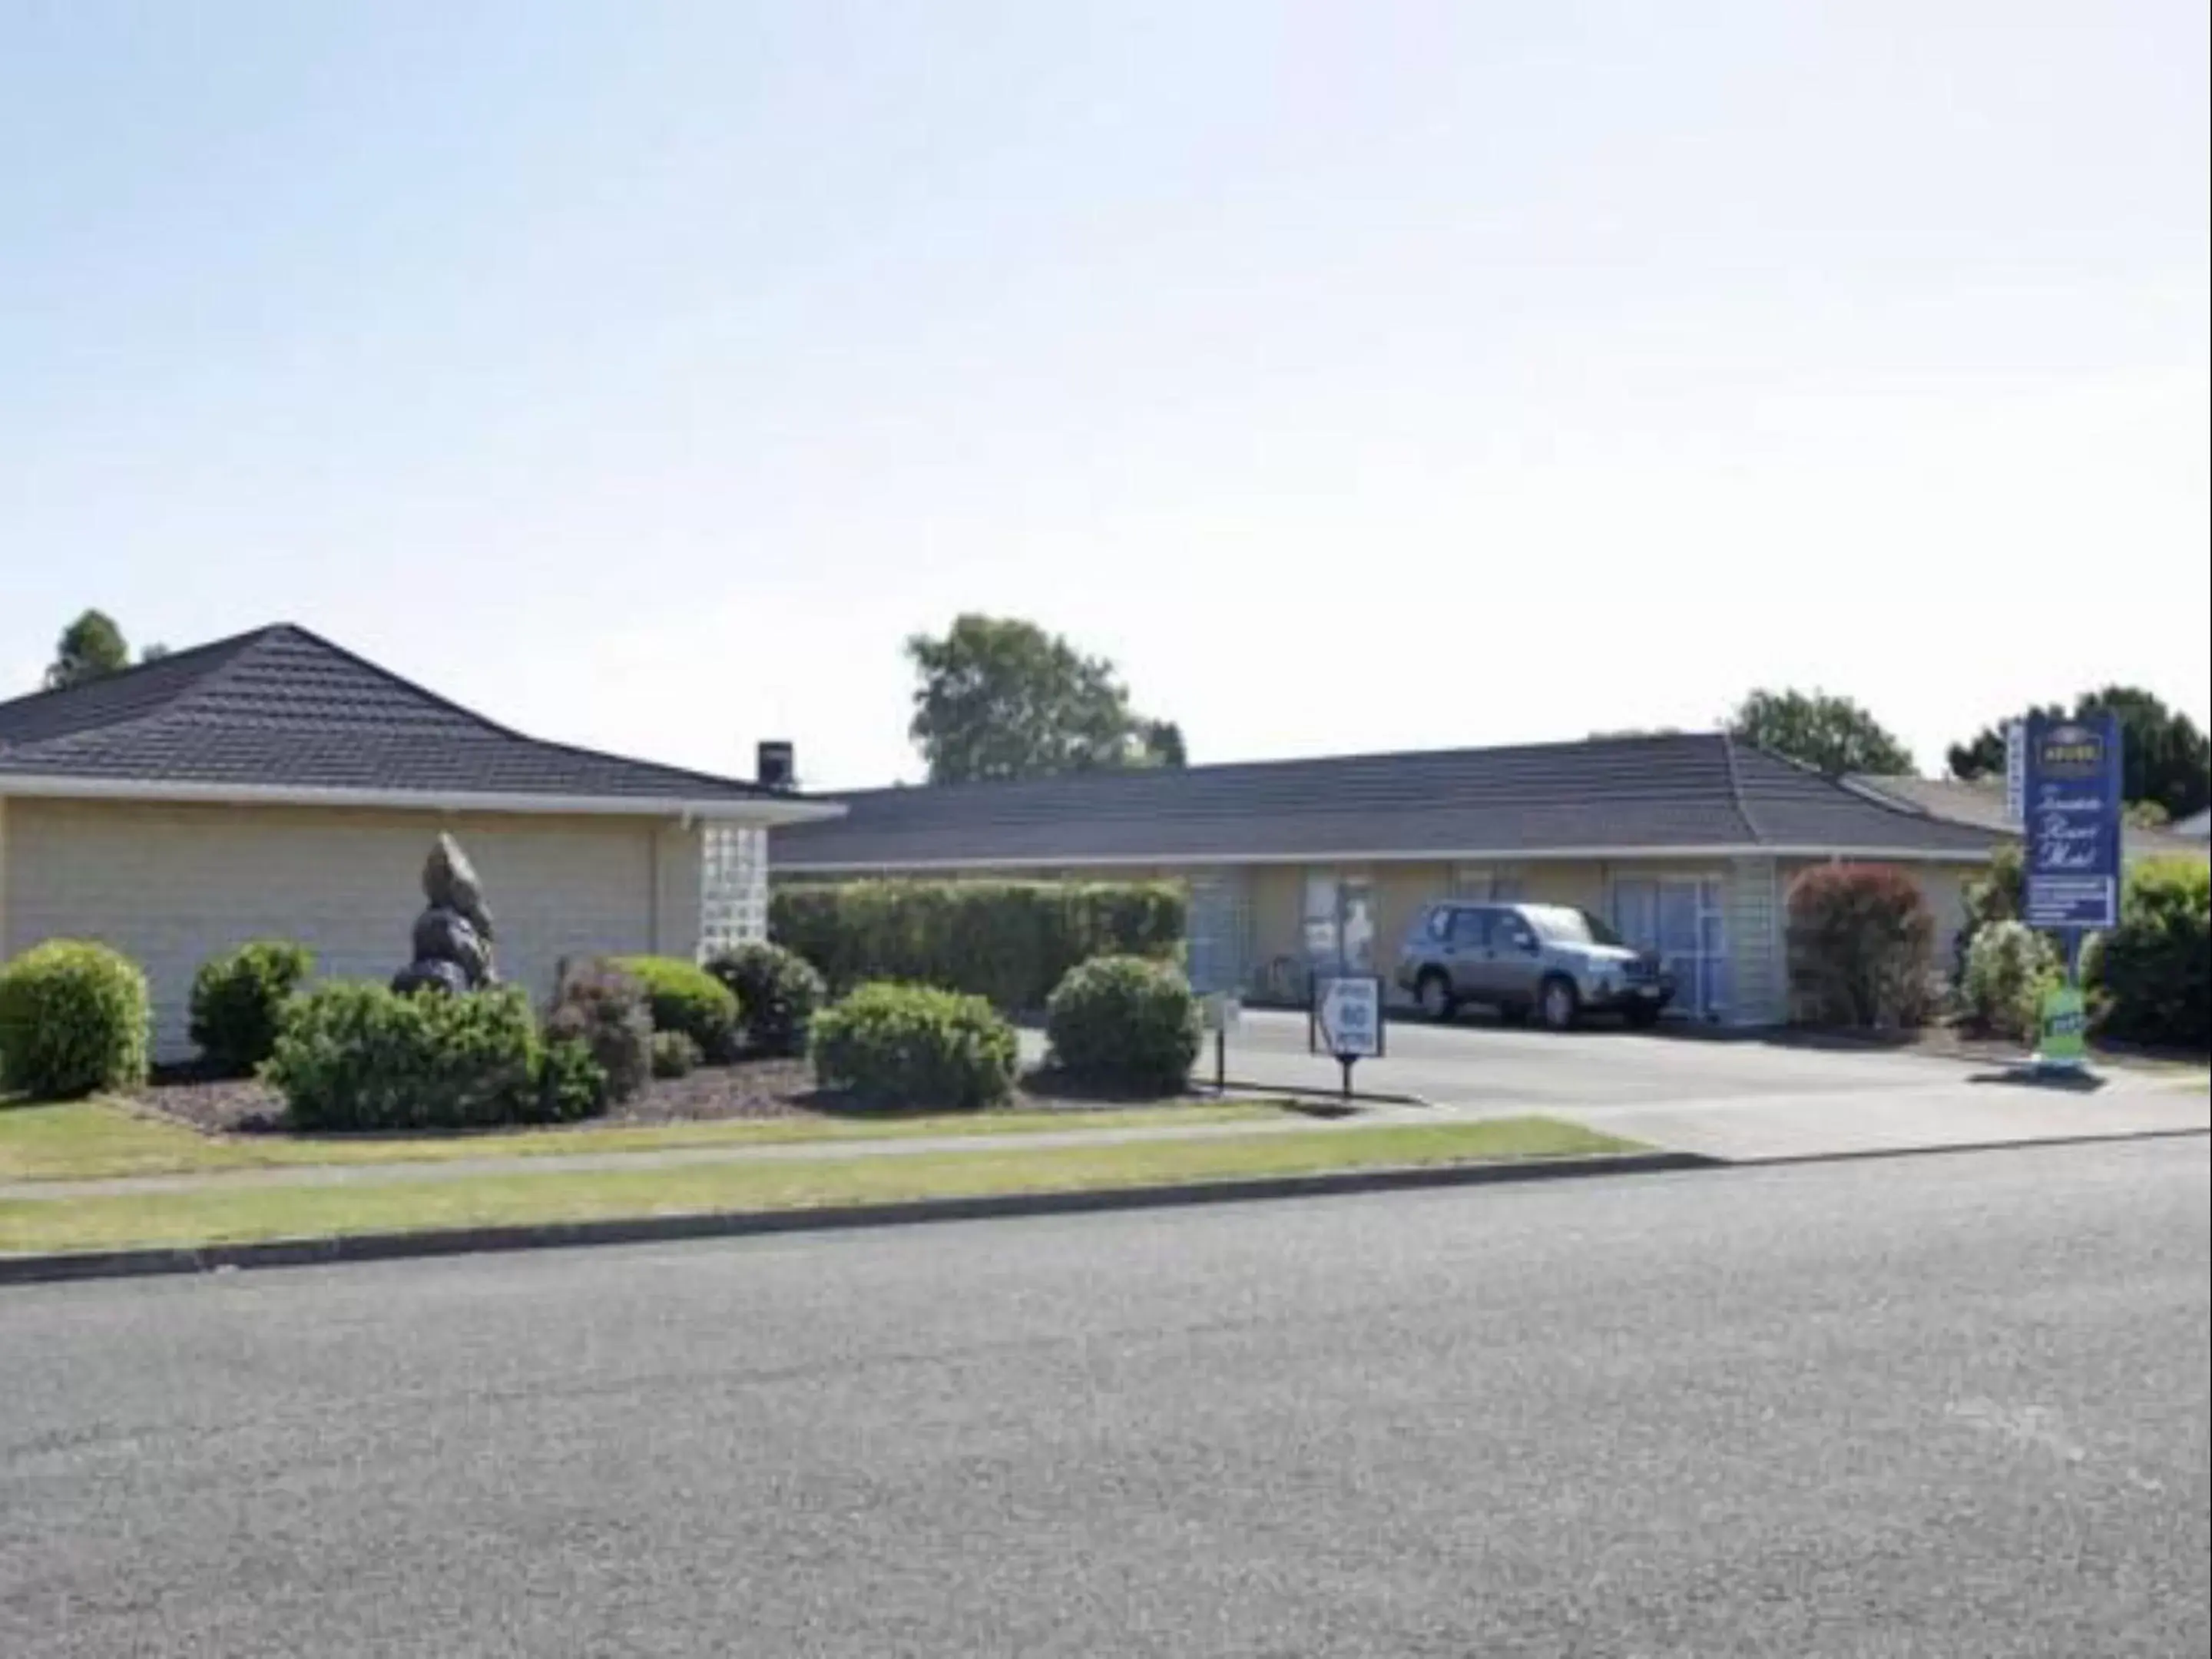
(1981, 805)
(1692, 791)
(282, 709)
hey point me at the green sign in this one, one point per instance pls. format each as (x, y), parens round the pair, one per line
(2065, 1028)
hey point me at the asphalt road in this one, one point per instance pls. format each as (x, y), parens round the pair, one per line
(1953, 1406)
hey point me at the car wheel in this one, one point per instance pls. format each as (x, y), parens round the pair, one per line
(1560, 1005)
(1434, 991)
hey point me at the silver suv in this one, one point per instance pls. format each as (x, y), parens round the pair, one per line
(1545, 960)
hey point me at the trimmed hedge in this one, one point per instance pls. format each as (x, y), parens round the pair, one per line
(597, 1004)
(238, 999)
(2008, 967)
(778, 990)
(682, 996)
(1009, 942)
(915, 1045)
(1861, 939)
(1126, 1022)
(354, 1055)
(2152, 975)
(74, 1020)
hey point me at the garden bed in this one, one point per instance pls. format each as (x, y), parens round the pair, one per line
(748, 1089)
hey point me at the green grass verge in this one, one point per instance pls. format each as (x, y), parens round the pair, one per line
(234, 1214)
(93, 1140)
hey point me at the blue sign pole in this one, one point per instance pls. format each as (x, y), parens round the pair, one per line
(2071, 820)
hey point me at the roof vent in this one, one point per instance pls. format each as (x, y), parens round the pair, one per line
(776, 766)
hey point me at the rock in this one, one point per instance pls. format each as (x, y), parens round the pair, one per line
(443, 935)
(447, 976)
(449, 882)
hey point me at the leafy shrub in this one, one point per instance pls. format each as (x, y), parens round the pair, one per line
(238, 999)
(571, 1082)
(1998, 894)
(352, 1055)
(779, 991)
(2153, 973)
(2008, 967)
(917, 1045)
(674, 1055)
(1125, 1021)
(1860, 946)
(1009, 942)
(604, 1008)
(74, 1020)
(684, 997)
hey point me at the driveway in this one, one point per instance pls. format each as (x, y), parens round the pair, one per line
(1742, 1099)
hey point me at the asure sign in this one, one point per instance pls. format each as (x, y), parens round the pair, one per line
(2073, 822)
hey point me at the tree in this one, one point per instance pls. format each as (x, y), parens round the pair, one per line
(1001, 698)
(88, 648)
(2165, 761)
(1833, 734)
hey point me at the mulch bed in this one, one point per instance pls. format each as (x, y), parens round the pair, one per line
(746, 1088)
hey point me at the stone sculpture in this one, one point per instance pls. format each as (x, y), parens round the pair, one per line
(452, 937)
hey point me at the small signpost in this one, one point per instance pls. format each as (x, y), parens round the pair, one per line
(1224, 1010)
(1346, 1019)
(2071, 820)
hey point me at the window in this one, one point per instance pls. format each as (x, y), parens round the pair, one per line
(1340, 920)
(1470, 929)
(1557, 921)
(733, 886)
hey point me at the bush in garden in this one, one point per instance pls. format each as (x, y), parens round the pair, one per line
(1009, 942)
(779, 991)
(2152, 975)
(2008, 967)
(353, 1056)
(674, 1055)
(238, 998)
(682, 996)
(605, 1009)
(1126, 1022)
(1860, 939)
(571, 1082)
(915, 1045)
(1999, 894)
(74, 1020)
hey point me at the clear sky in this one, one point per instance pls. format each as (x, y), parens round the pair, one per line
(1355, 375)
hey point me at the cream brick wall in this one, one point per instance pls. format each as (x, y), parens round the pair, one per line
(170, 885)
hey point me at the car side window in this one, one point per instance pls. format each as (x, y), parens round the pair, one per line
(1469, 929)
(1514, 932)
(1439, 924)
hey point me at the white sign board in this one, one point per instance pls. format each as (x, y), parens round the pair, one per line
(2015, 735)
(1224, 1011)
(1348, 1015)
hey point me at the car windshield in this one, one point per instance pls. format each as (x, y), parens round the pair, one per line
(1571, 926)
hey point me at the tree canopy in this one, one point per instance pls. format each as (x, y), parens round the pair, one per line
(2165, 761)
(998, 698)
(1831, 733)
(88, 648)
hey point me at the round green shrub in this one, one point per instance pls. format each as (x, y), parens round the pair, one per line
(1125, 1022)
(571, 1082)
(674, 1055)
(2153, 973)
(604, 1008)
(682, 996)
(915, 1045)
(778, 990)
(354, 1055)
(74, 1020)
(238, 999)
(2008, 967)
